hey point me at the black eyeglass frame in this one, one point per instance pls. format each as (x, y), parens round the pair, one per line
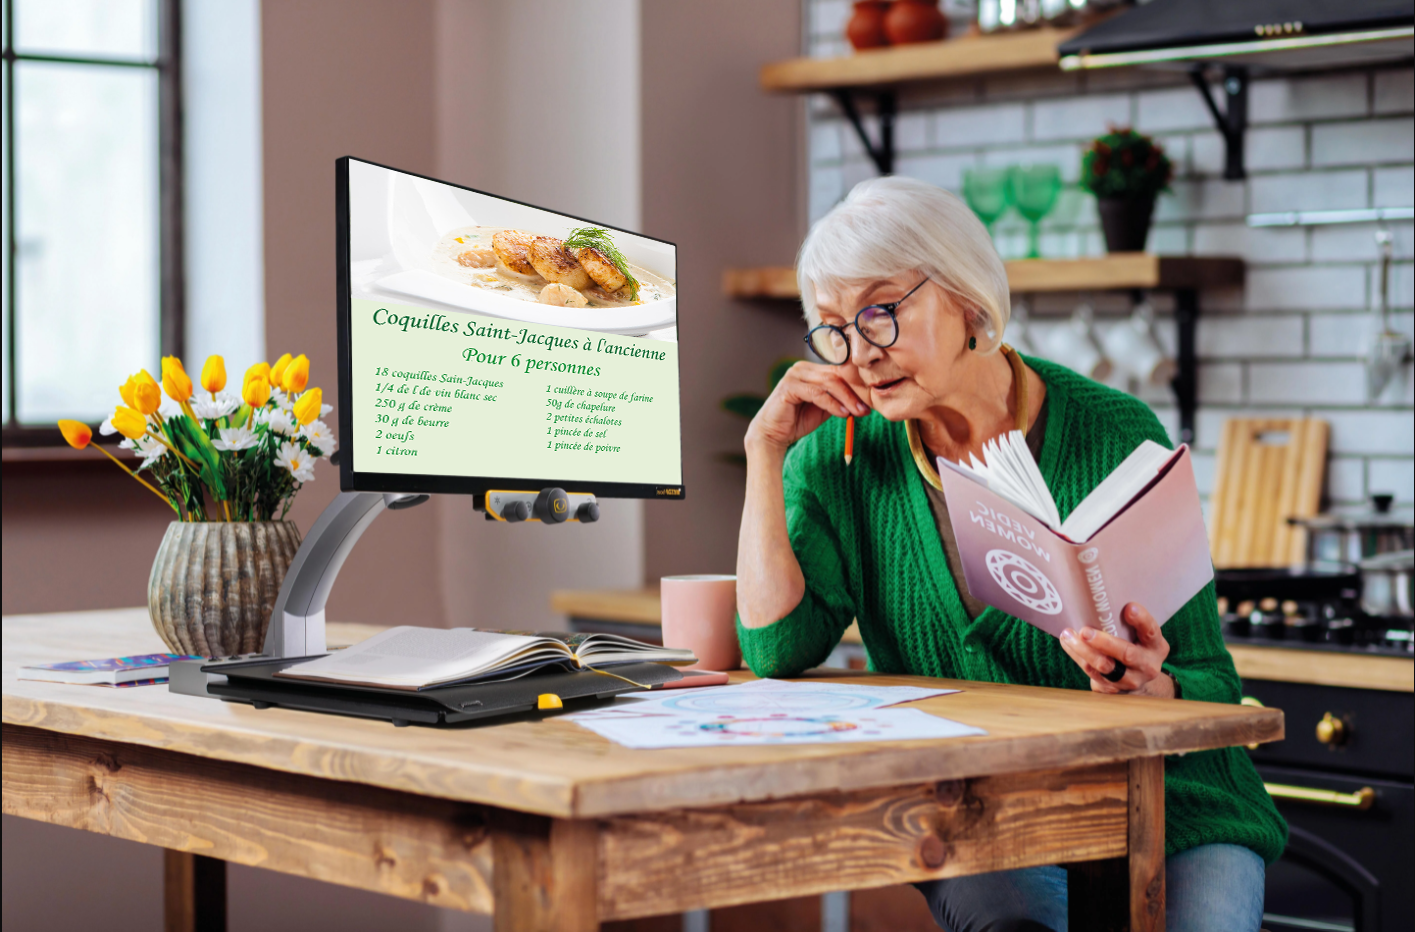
(889, 309)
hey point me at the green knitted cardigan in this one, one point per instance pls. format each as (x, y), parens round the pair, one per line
(869, 549)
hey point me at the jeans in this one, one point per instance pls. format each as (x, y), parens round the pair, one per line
(1211, 888)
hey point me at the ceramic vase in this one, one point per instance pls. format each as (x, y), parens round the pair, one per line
(866, 27)
(213, 584)
(1125, 222)
(910, 21)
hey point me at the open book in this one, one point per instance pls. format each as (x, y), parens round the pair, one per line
(1138, 537)
(419, 658)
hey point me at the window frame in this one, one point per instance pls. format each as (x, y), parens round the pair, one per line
(171, 259)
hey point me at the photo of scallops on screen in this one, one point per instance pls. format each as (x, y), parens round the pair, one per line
(420, 241)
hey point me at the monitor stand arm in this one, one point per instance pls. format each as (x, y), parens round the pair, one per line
(297, 623)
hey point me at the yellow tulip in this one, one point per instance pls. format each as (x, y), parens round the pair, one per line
(296, 375)
(277, 371)
(213, 374)
(256, 391)
(307, 408)
(132, 395)
(129, 423)
(76, 433)
(261, 369)
(175, 380)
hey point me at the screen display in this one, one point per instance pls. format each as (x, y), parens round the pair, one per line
(487, 344)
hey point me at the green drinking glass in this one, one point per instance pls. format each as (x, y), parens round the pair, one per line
(986, 191)
(1034, 190)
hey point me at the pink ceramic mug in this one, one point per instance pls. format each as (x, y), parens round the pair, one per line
(700, 613)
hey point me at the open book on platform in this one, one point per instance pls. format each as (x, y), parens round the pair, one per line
(1138, 537)
(413, 658)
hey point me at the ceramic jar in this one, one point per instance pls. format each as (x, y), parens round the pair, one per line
(910, 21)
(866, 27)
(214, 584)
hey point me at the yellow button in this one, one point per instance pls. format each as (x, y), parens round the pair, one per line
(549, 701)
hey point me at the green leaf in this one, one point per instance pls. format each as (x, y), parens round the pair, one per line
(197, 446)
(745, 406)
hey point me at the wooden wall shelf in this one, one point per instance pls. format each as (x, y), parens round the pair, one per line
(1100, 273)
(968, 56)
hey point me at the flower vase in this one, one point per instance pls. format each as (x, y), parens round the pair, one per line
(214, 584)
(1125, 222)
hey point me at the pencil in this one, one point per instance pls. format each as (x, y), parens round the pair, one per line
(849, 438)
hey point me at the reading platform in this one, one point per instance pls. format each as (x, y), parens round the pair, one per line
(488, 348)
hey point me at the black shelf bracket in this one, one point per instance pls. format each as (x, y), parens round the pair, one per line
(881, 152)
(1186, 379)
(1232, 121)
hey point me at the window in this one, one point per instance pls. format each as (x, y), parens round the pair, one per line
(92, 192)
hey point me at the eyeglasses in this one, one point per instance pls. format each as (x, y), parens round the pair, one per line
(876, 323)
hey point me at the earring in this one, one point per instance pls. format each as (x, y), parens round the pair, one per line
(972, 343)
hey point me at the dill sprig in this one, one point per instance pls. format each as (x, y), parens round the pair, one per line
(599, 238)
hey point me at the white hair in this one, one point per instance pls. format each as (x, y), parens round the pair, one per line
(893, 225)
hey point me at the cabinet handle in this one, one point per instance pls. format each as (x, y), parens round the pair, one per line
(1361, 799)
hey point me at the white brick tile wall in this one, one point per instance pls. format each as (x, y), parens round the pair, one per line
(1357, 242)
(1287, 344)
(1329, 190)
(1220, 383)
(1346, 479)
(911, 131)
(1169, 109)
(1381, 432)
(1079, 117)
(945, 170)
(970, 127)
(1395, 91)
(1314, 383)
(1250, 336)
(1300, 288)
(1204, 465)
(1364, 141)
(1392, 476)
(1393, 187)
(1201, 199)
(1315, 98)
(1256, 244)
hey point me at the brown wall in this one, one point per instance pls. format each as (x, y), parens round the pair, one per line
(721, 180)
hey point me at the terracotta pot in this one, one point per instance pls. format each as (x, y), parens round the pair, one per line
(910, 21)
(214, 584)
(1126, 223)
(866, 28)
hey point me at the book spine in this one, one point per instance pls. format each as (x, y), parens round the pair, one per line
(1105, 613)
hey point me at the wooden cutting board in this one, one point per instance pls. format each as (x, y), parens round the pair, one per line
(1269, 469)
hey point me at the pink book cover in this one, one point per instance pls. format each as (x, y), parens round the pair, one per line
(1155, 552)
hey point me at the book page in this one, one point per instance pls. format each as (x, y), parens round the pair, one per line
(1116, 490)
(1008, 469)
(408, 657)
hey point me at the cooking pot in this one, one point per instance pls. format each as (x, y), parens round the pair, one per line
(1386, 584)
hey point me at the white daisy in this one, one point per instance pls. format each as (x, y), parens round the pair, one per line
(282, 400)
(148, 448)
(208, 406)
(107, 429)
(319, 436)
(300, 463)
(279, 421)
(236, 438)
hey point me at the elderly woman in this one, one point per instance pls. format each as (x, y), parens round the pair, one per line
(909, 302)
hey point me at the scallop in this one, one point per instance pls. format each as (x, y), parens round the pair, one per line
(562, 296)
(605, 274)
(511, 248)
(478, 257)
(550, 258)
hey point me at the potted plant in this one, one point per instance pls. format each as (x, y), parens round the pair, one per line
(229, 465)
(1126, 171)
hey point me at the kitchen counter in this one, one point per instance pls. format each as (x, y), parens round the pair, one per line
(640, 610)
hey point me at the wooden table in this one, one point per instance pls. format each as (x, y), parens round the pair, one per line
(548, 826)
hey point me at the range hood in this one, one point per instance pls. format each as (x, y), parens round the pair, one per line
(1277, 34)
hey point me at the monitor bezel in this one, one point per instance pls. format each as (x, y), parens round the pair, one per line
(352, 480)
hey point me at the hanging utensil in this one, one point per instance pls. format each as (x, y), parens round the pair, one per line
(1390, 348)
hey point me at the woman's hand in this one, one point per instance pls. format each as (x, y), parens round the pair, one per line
(803, 400)
(1096, 652)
